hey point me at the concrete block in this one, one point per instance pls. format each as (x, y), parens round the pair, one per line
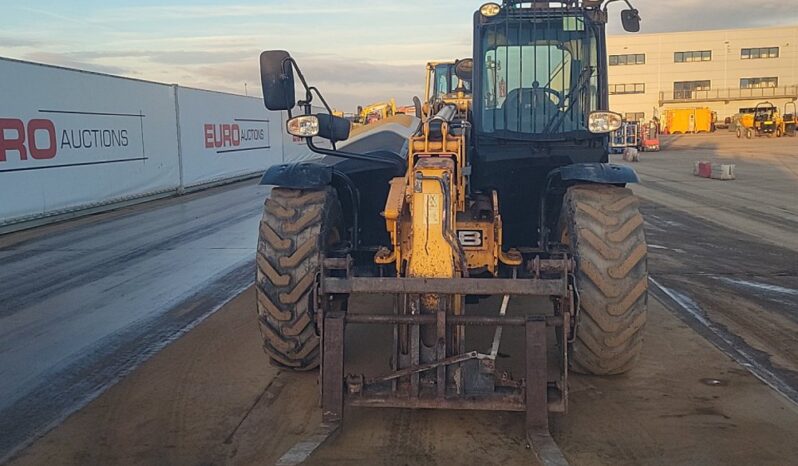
(722, 171)
(703, 169)
(631, 154)
(716, 171)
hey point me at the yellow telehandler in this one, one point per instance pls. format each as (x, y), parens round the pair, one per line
(502, 188)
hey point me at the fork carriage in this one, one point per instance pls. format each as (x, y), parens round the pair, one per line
(432, 365)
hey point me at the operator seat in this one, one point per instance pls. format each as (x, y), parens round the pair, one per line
(461, 88)
(528, 110)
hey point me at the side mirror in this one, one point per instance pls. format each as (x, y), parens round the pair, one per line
(333, 128)
(464, 69)
(277, 79)
(630, 20)
(323, 125)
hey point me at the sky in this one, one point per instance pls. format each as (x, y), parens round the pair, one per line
(356, 51)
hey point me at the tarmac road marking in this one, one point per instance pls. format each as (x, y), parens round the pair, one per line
(302, 450)
(270, 392)
(728, 343)
(760, 286)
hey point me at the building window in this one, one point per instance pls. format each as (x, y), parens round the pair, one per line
(637, 88)
(635, 116)
(761, 52)
(685, 89)
(756, 83)
(629, 59)
(686, 57)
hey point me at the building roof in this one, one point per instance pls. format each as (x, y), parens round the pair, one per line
(627, 35)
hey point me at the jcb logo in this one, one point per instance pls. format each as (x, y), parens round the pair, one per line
(470, 238)
(36, 139)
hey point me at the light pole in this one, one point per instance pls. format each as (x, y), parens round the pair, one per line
(727, 52)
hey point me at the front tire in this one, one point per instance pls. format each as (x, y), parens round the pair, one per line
(604, 228)
(297, 226)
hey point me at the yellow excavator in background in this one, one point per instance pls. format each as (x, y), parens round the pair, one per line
(375, 112)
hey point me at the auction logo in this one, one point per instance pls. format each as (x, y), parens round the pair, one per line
(17, 136)
(243, 134)
(84, 138)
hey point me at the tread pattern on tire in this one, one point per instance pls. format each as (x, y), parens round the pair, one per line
(606, 233)
(292, 234)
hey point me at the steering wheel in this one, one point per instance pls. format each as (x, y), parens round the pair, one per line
(548, 90)
(530, 109)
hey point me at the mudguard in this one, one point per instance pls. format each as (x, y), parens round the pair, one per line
(302, 175)
(608, 173)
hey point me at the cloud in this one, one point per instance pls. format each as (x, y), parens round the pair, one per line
(304, 8)
(14, 42)
(60, 59)
(698, 15)
(168, 57)
(356, 52)
(199, 57)
(347, 71)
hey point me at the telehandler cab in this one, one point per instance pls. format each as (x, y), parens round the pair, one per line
(443, 85)
(502, 188)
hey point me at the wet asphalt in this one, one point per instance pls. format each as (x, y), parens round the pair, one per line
(82, 303)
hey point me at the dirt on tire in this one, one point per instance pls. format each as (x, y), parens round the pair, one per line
(296, 226)
(605, 230)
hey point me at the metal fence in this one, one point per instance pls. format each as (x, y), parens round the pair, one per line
(718, 95)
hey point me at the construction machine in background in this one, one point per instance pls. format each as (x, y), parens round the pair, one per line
(503, 189)
(375, 112)
(443, 87)
(347, 116)
(765, 120)
(406, 110)
(649, 137)
(745, 125)
(768, 120)
(640, 135)
(790, 118)
(628, 135)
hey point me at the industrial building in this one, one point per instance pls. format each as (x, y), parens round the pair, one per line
(727, 71)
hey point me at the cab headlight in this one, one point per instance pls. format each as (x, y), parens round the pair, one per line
(490, 9)
(304, 126)
(604, 122)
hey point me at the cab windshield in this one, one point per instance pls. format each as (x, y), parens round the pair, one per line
(444, 81)
(538, 76)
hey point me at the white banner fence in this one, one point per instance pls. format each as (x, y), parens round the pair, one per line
(74, 141)
(225, 136)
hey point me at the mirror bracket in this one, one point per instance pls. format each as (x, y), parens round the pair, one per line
(289, 64)
(630, 18)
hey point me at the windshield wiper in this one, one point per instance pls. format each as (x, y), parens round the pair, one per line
(579, 86)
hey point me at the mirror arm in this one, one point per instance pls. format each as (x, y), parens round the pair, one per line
(396, 161)
(321, 97)
(308, 96)
(309, 90)
(613, 1)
